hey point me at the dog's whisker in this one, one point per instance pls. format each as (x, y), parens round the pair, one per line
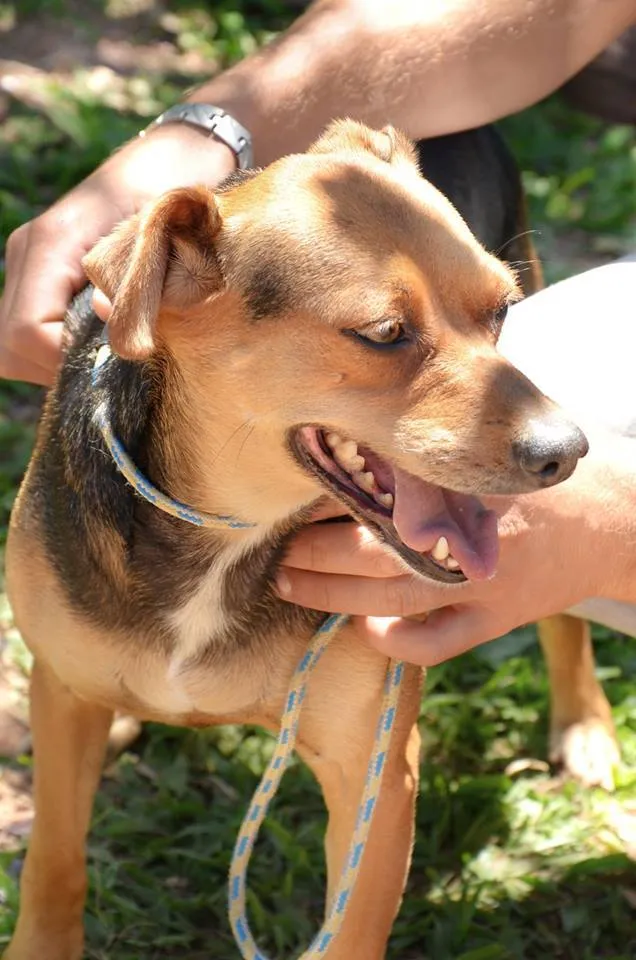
(522, 263)
(250, 422)
(517, 236)
(245, 439)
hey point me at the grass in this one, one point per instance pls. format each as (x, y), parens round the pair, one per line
(507, 865)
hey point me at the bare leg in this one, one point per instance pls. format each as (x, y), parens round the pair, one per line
(553, 337)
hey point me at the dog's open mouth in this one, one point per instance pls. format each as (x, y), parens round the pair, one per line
(441, 534)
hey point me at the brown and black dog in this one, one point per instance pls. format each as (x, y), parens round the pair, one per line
(327, 325)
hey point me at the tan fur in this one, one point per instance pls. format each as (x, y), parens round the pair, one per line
(344, 693)
(175, 270)
(350, 234)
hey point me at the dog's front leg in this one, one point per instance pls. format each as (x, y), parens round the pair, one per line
(69, 740)
(337, 729)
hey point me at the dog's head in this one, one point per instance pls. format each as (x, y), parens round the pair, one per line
(334, 325)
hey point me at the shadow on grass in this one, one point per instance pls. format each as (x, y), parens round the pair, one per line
(583, 915)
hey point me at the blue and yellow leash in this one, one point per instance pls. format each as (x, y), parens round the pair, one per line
(267, 788)
(269, 784)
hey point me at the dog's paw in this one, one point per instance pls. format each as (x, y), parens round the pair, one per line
(588, 751)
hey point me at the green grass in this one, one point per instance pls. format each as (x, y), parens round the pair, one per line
(505, 866)
(521, 867)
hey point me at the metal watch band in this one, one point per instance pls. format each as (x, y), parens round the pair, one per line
(216, 122)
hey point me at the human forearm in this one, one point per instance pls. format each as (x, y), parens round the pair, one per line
(429, 68)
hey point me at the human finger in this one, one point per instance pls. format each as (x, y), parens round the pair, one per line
(401, 596)
(101, 304)
(446, 633)
(345, 548)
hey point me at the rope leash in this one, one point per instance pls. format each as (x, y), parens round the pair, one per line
(135, 477)
(268, 786)
(285, 742)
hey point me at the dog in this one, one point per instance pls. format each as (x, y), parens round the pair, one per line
(324, 327)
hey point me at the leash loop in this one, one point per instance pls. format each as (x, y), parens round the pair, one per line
(268, 786)
(135, 477)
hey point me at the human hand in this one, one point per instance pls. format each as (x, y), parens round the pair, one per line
(557, 547)
(43, 258)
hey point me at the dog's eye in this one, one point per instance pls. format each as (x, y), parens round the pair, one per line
(386, 333)
(501, 313)
(494, 321)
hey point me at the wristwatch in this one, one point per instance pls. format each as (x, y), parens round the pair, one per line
(216, 122)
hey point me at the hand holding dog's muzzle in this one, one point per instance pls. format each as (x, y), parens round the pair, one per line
(557, 547)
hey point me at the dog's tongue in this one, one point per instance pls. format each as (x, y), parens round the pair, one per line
(423, 512)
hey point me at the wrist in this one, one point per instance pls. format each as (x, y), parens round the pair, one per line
(185, 138)
(234, 93)
(176, 155)
(213, 122)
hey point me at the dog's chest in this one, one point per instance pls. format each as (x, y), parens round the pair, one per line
(215, 603)
(228, 631)
(205, 617)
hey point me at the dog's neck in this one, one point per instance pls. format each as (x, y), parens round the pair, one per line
(204, 447)
(208, 582)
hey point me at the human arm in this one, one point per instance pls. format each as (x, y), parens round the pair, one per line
(43, 257)
(427, 67)
(558, 547)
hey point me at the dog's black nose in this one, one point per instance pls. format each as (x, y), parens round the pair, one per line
(549, 450)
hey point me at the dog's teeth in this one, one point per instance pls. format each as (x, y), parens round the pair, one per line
(334, 440)
(352, 464)
(452, 564)
(386, 499)
(347, 449)
(346, 454)
(441, 549)
(366, 481)
(355, 465)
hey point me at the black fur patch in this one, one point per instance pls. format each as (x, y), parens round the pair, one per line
(235, 179)
(267, 292)
(477, 173)
(75, 482)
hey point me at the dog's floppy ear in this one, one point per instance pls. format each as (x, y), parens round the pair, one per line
(387, 144)
(162, 257)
